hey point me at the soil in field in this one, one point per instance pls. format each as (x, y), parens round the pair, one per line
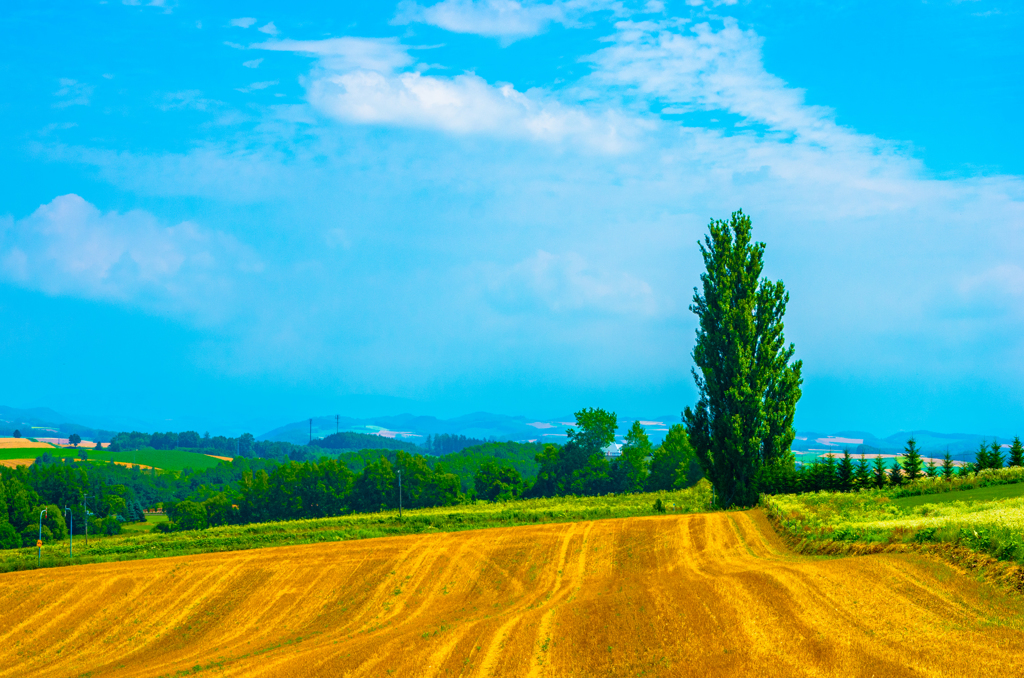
(691, 595)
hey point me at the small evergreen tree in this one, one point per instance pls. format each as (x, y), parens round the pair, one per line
(879, 472)
(995, 455)
(911, 462)
(896, 473)
(828, 473)
(931, 468)
(862, 475)
(981, 461)
(947, 466)
(967, 469)
(1016, 453)
(845, 473)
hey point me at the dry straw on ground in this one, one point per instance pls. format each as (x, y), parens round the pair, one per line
(703, 595)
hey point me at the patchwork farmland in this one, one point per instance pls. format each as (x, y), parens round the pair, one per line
(705, 594)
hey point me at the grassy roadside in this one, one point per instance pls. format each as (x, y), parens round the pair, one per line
(145, 544)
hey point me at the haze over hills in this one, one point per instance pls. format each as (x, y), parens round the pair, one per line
(44, 421)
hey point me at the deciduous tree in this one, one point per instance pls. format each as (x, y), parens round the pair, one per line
(747, 383)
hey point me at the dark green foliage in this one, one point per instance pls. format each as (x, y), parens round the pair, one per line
(896, 473)
(9, 538)
(879, 475)
(497, 483)
(659, 505)
(748, 388)
(188, 515)
(629, 470)
(17, 433)
(347, 440)
(931, 468)
(995, 455)
(1016, 453)
(376, 488)
(862, 473)
(580, 467)
(947, 466)
(188, 439)
(108, 526)
(845, 473)
(74, 439)
(911, 460)
(673, 463)
(445, 443)
(981, 458)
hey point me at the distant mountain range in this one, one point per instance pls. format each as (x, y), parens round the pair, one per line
(481, 425)
(42, 422)
(45, 422)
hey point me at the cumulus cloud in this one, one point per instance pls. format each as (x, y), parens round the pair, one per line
(69, 247)
(362, 80)
(567, 283)
(506, 19)
(243, 22)
(269, 29)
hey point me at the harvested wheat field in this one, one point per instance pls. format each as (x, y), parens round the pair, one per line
(700, 595)
(21, 443)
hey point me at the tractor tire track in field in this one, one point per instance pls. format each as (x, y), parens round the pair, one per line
(702, 595)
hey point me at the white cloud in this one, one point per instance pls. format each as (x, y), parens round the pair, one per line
(254, 63)
(701, 69)
(256, 86)
(358, 80)
(346, 54)
(68, 247)
(567, 283)
(243, 22)
(269, 29)
(74, 93)
(187, 99)
(506, 19)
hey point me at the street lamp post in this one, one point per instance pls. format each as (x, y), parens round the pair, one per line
(71, 544)
(39, 544)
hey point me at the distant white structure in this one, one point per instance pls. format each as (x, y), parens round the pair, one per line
(613, 450)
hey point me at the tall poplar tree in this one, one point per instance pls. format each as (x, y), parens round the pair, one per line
(747, 383)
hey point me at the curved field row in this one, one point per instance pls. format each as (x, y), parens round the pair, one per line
(703, 595)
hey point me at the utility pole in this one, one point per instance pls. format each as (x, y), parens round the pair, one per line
(71, 545)
(86, 502)
(39, 544)
(399, 494)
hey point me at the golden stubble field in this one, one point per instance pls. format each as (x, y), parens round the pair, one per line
(692, 595)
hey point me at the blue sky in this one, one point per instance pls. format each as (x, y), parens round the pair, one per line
(235, 215)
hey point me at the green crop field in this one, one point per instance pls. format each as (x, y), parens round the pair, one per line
(978, 494)
(139, 542)
(170, 460)
(33, 452)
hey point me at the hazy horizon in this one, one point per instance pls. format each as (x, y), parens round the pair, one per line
(244, 219)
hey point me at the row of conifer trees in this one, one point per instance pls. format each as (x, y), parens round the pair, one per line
(847, 472)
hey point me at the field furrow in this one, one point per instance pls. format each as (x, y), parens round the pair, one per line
(705, 595)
